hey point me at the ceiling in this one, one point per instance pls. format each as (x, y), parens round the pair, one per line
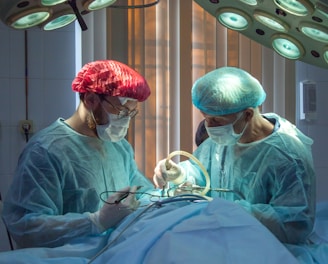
(297, 30)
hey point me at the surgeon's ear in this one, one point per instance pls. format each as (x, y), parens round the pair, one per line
(249, 113)
(91, 100)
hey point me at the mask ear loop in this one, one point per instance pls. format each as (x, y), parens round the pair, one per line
(92, 116)
(238, 118)
(95, 124)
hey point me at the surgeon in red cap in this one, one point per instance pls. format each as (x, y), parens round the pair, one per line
(55, 195)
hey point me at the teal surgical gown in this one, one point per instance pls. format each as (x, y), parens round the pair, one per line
(272, 178)
(58, 182)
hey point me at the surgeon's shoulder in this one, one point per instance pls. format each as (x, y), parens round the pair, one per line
(289, 138)
(48, 134)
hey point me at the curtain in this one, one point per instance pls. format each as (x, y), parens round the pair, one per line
(172, 44)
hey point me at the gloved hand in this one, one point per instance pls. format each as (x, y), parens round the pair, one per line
(113, 211)
(167, 170)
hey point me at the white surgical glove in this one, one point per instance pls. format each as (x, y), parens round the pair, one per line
(114, 211)
(167, 170)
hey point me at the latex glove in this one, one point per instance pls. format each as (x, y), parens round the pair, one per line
(114, 211)
(168, 170)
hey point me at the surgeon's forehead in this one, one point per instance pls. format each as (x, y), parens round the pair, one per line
(219, 117)
(116, 101)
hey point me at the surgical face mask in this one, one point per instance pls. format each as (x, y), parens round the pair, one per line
(225, 135)
(115, 130)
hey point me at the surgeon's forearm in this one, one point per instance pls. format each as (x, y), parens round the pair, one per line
(287, 230)
(49, 231)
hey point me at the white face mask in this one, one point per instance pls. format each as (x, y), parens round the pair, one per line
(225, 135)
(115, 130)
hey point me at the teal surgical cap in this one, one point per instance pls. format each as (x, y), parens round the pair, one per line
(227, 90)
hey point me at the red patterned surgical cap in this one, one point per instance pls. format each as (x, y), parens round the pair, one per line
(112, 78)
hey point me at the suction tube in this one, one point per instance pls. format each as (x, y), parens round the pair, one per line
(186, 154)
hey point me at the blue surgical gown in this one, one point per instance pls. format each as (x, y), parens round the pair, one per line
(272, 178)
(58, 182)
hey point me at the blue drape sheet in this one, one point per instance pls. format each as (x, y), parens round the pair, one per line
(183, 232)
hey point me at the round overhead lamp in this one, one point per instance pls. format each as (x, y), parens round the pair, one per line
(28, 18)
(249, 2)
(59, 20)
(270, 21)
(322, 9)
(296, 7)
(233, 18)
(92, 5)
(52, 2)
(287, 46)
(314, 31)
(325, 54)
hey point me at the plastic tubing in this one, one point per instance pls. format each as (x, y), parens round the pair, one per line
(207, 177)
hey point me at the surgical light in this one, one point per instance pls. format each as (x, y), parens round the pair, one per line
(325, 54)
(295, 7)
(92, 5)
(233, 18)
(249, 2)
(60, 21)
(322, 9)
(29, 18)
(295, 29)
(315, 32)
(52, 2)
(270, 21)
(287, 47)
(53, 14)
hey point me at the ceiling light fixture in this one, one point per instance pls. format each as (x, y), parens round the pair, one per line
(249, 2)
(313, 31)
(233, 18)
(295, 29)
(287, 46)
(53, 14)
(322, 8)
(28, 18)
(325, 54)
(92, 5)
(270, 21)
(59, 20)
(296, 7)
(52, 2)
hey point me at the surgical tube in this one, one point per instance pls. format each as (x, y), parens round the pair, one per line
(184, 153)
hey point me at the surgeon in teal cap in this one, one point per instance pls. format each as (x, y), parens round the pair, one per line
(260, 161)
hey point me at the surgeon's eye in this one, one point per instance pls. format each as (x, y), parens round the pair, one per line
(214, 121)
(125, 113)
